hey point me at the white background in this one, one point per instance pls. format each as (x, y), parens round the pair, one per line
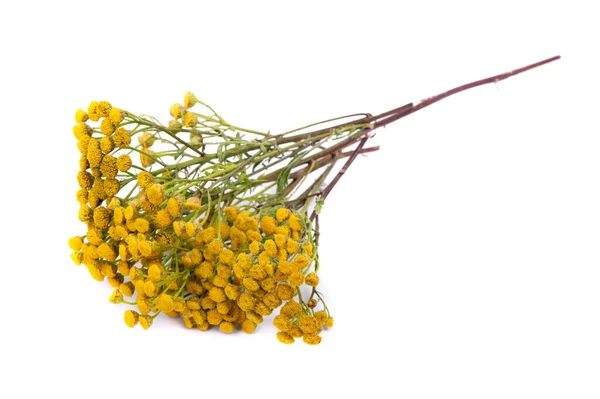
(461, 260)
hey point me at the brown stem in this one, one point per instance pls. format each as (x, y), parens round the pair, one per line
(341, 172)
(386, 118)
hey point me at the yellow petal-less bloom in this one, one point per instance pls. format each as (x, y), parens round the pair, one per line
(294, 222)
(145, 321)
(81, 116)
(142, 225)
(230, 213)
(174, 207)
(312, 279)
(285, 337)
(312, 339)
(189, 100)
(131, 318)
(165, 303)
(75, 243)
(282, 214)
(106, 127)
(267, 225)
(248, 326)
(116, 116)
(121, 138)
(124, 163)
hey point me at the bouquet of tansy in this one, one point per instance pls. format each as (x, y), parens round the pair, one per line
(210, 222)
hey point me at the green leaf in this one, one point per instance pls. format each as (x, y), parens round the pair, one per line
(282, 180)
(221, 152)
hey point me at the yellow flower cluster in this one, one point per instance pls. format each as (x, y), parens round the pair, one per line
(165, 251)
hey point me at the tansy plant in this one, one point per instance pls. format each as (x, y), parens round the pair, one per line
(210, 222)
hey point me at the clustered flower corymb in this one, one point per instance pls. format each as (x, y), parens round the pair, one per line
(165, 251)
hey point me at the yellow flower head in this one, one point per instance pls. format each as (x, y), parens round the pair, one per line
(131, 318)
(192, 203)
(107, 252)
(285, 292)
(81, 129)
(312, 339)
(301, 261)
(174, 207)
(189, 100)
(268, 284)
(162, 219)
(106, 145)
(107, 127)
(127, 288)
(296, 279)
(271, 300)
(165, 303)
(116, 116)
(232, 291)
(226, 326)
(280, 240)
(176, 111)
(190, 119)
(82, 197)
(254, 247)
(108, 166)
(142, 225)
(75, 243)
(254, 235)
(83, 163)
(101, 217)
(295, 223)
(245, 302)
(285, 337)
(121, 138)
(214, 317)
(85, 180)
(155, 193)
(93, 113)
(312, 279)
(282, 214)
(154, 272)
(286, 267)
(94, 153)
(321, 316)
(123, 163)
(111, 187)
(145, 321)
(248, 326)
(250, 284)
(116, 297)
(190, 228)
(291, 308)
(217, 294)
(227, 257)
(215, 247)
(329, 322)
(308, 248)
(270, 248)
(150, 288)
(224, 308)
(309, 325)
(146, 157)
(230, 213)
(282, 323)
(257, 272)
(80, 116)
(292, 246)
(267, 225)
(103, 108)
(82, 144)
